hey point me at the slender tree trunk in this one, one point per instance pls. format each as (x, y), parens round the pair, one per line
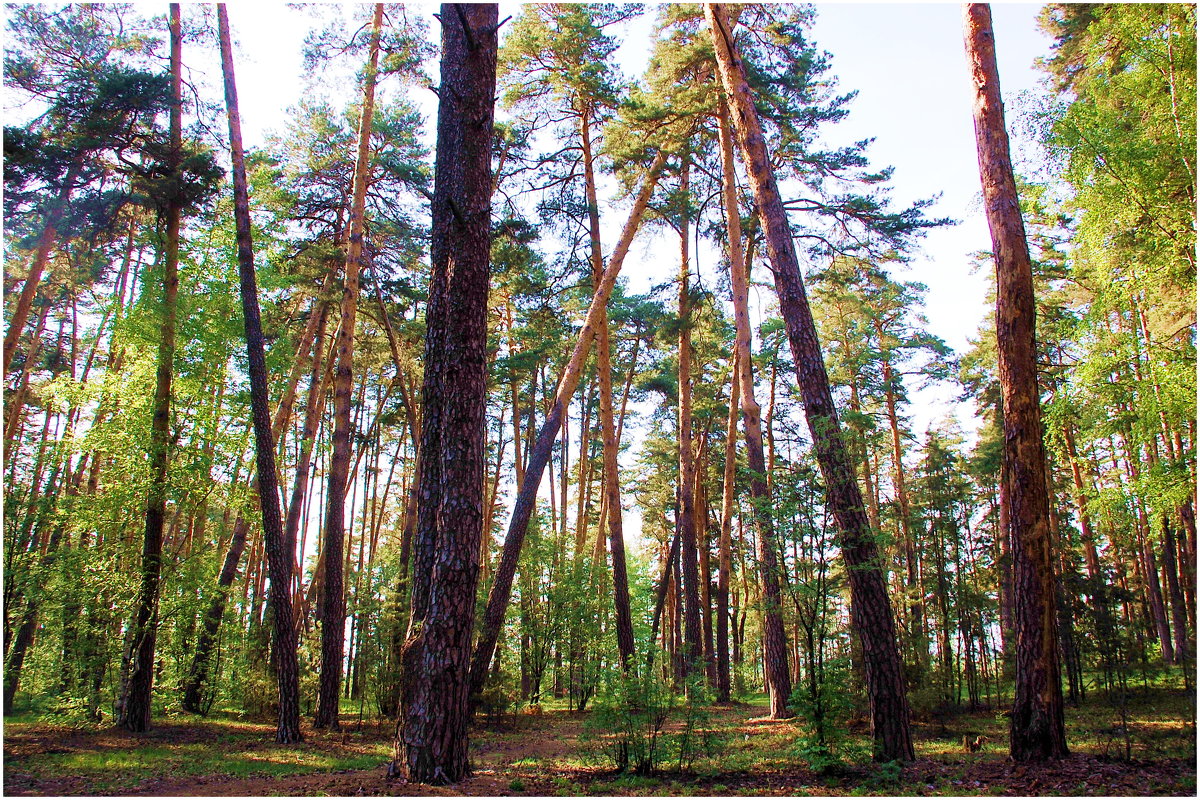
(1036, 727)
(724, 546)
(135, 701)
(540, 454)
(431, 742)
(279, 557)
(611, 441)
(687, 463)
(333, 611)
(774, 636)
(871, 610)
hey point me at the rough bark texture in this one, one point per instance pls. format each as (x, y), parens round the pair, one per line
(539, 455)
(279, 558)
(134, 711)
(774, 638)
(1037, 728)
(333, 598)
(431, 745)
(871, 610)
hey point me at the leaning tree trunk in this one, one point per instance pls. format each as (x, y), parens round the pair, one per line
(431, 740)
(333, 598)
(871, 610)
(135, 697)
(539, 456)
(279, 559)
(1036, 727)
(622, 616)
(774, 637)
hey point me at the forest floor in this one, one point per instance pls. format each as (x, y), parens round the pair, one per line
(554, 753)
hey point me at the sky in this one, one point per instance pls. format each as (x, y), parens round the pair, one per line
(907, 64)
(905, 61)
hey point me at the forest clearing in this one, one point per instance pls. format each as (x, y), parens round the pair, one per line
(569, 402)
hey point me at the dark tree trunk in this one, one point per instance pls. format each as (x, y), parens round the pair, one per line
(1036, 727)
(539, 455)
(871, 610)
(333, 598)
(193, 690)
(135, 699)
(431, 743)
(279, 559)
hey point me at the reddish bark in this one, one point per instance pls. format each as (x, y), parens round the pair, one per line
(1037, 728)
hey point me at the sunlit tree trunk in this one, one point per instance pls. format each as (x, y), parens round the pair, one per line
(1036, 727)
(539, 455)
(333, 611)
(871, 610)
(774, 637)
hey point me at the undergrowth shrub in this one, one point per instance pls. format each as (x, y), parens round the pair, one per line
(642, 725)
(824, 702)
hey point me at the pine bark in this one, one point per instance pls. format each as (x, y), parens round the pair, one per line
(134, 712)
(431, 744)
(539, 455)
(871, 610)
(774, 637)
(333, 598)
(1036, 727)
(279, 558)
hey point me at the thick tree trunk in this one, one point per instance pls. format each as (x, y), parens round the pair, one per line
(1037, 727)
(539, 455)
(774, 636)
(135, 700)
(431, 742)
(279, 558)
(333, 598)
(871, 610)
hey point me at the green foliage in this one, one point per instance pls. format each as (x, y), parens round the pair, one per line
(640, 724)
(824, 705)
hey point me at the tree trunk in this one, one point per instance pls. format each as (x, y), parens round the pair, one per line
(774, 636)
(611, 441)
(135, 700)
(724, 546)
(871, 610)
(333, 598)
(687, 463)
(279, 558)
(1036, 727)
(501, 589)
(431, 742)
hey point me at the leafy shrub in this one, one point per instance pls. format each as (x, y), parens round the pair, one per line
(824, 702)
(630, 717)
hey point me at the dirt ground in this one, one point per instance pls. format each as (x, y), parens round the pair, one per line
(528, 755)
